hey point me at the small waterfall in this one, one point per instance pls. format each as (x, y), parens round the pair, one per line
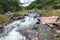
(10, 31)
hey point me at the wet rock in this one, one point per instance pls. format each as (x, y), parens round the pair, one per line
(31, 34)
(22, 16)
(9, 14)
(1, 28)
(38, 21)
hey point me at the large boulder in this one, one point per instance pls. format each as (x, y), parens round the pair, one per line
(48, 20)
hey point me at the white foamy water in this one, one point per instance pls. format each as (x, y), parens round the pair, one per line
(11, 30)
(26, 2)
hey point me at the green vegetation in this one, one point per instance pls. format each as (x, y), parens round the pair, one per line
(9, 5)
(42, 7)
(23, 11)
(47, 12)
(41, 32)
(13, 5)
(56, 38)
(45, 4)
(18, 13)
(3, 19)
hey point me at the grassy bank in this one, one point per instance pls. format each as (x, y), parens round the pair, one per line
(3, 19)
(40, 12)
(48, 12)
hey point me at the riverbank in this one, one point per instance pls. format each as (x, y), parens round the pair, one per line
(40, 12)
(43, 13)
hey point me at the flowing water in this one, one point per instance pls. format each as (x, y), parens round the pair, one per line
(12, 31)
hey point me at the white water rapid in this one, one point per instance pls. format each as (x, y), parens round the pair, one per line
(10, 31)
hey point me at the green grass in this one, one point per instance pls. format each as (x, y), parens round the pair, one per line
(40, 12)
(41, 33)
(47, 12)
(39, 29)
(56, 38)
(21, 12)
(3, 19)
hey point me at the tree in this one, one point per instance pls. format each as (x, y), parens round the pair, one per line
(45, 4)
(9, 5)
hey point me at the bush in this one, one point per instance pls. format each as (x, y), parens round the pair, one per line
(3, 19)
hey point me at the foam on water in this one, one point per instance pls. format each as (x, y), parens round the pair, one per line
(10, 31)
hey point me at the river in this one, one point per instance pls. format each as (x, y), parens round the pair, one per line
(14, 30)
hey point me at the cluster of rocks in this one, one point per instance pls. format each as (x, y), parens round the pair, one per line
(12, 16)
(53, 22)
(31, 34)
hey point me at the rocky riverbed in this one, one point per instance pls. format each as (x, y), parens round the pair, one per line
(36, 27)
